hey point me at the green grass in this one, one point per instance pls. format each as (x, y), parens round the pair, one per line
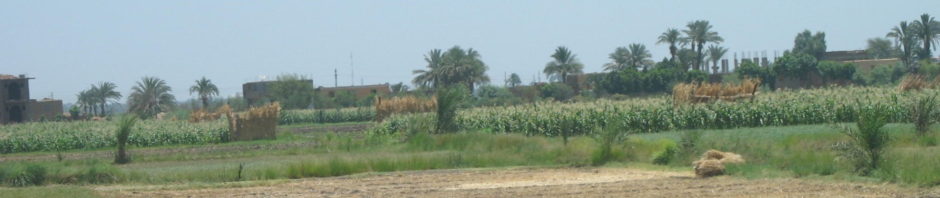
(49, 191)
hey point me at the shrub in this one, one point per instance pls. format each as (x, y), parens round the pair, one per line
(606, 138)
(448, 100)
(557, 91)
(831, 70)
(869, 139)
(688, 141)
(794, 65)
(123, 131)
(666, 156)
(924, 113)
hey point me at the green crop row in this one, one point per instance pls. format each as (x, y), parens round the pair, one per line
(327, 116)
(60, 136)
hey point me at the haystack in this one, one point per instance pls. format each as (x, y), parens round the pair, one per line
(713, 163)
(200, 115)
(257, 123)
(708, 92)
(402, 105)
(913, 82)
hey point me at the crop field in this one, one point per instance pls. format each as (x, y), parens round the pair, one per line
(327, 116)
(782, 108)
(60, 136)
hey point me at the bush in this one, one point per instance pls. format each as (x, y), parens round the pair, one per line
(606, 138)
(557, 91)
(794, 65)
(835, 71)
(750, 69)
(123, 131)
(666, 156)
(869, 139)
(924, 113)
(448, 100)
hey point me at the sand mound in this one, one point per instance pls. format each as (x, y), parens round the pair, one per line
(713, 163)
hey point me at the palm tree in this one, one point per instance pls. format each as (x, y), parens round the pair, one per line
(206, 89)
(104, 93)
(638, 56)
(149, 97)
(86, 102)
(618, 60)
(428, 78)
(926, 29)
(456, 66)
(715, 53)
(906, 40)
(698, 34)
(672, 37)
(563, 64)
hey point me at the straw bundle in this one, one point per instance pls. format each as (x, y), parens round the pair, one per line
(200, 115)
(713, 163)
(398, 105)
(707, 92)
(913, 82)
(256, 123)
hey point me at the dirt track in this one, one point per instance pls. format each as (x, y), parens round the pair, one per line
(565, 182)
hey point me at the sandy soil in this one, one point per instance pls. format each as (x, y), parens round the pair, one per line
(540, 182)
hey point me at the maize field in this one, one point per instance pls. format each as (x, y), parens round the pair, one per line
(60, 136)
(326, 116)
(818, 106)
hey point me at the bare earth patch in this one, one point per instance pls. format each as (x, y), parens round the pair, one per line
(538, 182)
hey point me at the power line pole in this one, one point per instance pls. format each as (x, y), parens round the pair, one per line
(335, 77)
(352, 72)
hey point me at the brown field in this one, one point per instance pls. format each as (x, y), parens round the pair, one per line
(536, 182)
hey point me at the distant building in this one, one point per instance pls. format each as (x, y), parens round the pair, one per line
(849, 55)
(360, 92)
(15, 105)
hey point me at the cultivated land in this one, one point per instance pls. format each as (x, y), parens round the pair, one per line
(794, 144)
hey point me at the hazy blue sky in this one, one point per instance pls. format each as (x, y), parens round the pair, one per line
(69, 45)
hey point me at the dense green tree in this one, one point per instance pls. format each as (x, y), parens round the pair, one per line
(698, 34)
(513, 80)
(715, 53)
(686, 58)
(205, 89)
(794, 65)
(672, 37)
(563, 64)
(926, 30)
(150, 96)
(455, 66)
(905, 37)
(292, 91)
(879, 48)
(808, 43)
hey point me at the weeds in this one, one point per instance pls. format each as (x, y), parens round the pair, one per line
(924, 113)
(123, 131)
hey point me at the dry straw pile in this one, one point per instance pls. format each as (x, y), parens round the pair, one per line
(713, 163)
(708, 92)
(399, 105)
(257, 123)
(200, 115)
(916, 82)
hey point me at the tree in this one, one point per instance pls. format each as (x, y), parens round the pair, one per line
(104, 93)
(926, 29)
(292, 91)
(672, 37)
(686, 58)
(513, 80)
(715, 53)
(563, 64)
(879, 48)
(809, 43)
(794, 65)
(85, 101)
(639, 56)
(456, 66)
(618, 60)
(698, 34)
(906, 40)
(149, 97)
(205, 89)
(399, 88)
(122, 133)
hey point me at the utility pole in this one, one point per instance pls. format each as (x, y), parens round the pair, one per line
(335, 77)
(352, 72)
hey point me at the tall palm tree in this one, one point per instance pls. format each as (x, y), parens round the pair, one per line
(104, 93)
(150, 96)
(563, 63)
(926, 29)
(698, 34)
(206, 89)
(638, 56)
(513, 80)
(618, 60)
(715, 53)
(428, 78)
(85, 101)
(673, 38)
(906, 40)
(455, 66)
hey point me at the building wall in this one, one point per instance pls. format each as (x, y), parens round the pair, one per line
(359, 91)
(48, 109)
(13, 105)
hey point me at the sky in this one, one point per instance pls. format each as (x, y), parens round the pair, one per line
(69, 45)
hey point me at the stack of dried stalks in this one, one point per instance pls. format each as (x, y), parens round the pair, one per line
(256, 123)
(713, 163)
(913, 82)
(398, 105)
(707, 92)
(200, 115)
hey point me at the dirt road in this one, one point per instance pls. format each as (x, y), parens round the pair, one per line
(542, 182)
